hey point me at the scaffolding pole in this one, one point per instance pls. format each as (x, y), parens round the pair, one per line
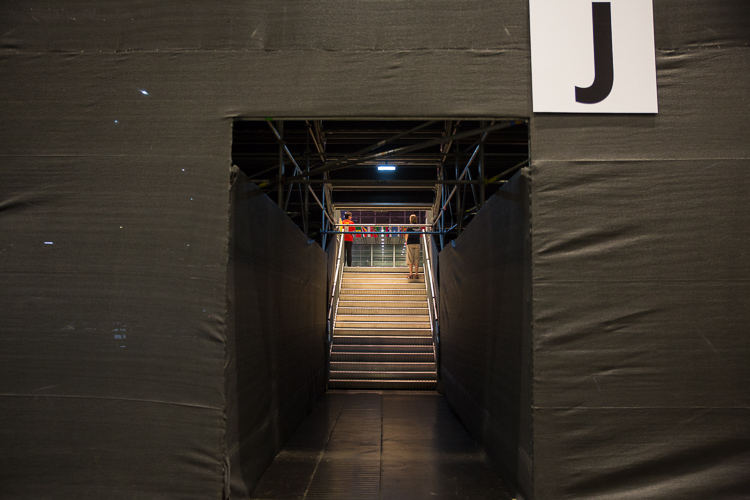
(280, 136)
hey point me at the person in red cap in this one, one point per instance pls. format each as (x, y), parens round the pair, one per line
(348, 238)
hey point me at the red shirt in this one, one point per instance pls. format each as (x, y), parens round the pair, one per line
(348, 237)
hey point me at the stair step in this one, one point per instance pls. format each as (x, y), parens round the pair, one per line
(394, 275)
(394, 288)
(395, 280)
(382, 340)
(392, 311)
(377, 375)
(383, 332)
(346, 292)
(384, 325)
(382, 357)
(384, 318)
(411, 350)
(382, 366)
(419, 385)
(381, 301)
(378, 270)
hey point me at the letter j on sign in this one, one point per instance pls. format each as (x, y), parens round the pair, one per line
(593, 56)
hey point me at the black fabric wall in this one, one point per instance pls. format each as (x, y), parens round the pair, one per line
(276, 334)
(640, 329)
(640, 226)
(638, 232)
(485, 329)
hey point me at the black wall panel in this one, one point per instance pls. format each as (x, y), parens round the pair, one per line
(641, 281)
(276, 335)
(649, 452)
(256, 25)
(113, 272)
(640, 320)
(485, 327)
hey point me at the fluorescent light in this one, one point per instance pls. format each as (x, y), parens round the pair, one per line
(386, 167)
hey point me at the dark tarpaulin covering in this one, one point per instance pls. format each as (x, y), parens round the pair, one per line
(276, 334)
(485, 328)
(640, 229)
(257, 58)
(258, 25)
(112, 325)
(641, 314)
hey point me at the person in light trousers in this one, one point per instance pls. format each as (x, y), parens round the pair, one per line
(412, 248)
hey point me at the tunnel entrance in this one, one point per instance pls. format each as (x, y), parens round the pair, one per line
(382, 320)
(297, 334)
(381, 171)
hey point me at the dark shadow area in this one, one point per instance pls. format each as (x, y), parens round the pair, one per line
(275, 334)
(380, 445)
(485, 329)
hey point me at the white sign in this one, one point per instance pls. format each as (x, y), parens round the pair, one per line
(593, 56)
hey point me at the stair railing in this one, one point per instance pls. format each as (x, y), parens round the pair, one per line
(431, 286)
(333, 304)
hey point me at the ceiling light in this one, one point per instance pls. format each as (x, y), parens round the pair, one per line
(386, 167)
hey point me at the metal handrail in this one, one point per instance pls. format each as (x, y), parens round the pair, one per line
(431, 300)
(430, 284)
(334, 300)
(336, 280)
(379, 233)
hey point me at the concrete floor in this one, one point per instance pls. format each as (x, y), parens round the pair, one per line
(380, 445)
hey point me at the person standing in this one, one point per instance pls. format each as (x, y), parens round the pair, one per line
(412, 248)
(348, 238)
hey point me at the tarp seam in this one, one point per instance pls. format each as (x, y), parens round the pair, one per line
(131, 400)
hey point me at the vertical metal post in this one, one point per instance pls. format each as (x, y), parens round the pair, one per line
(324, 221)
(482, 169)
(306, 201)
(281, 163)
(459, 192)
(443, 195)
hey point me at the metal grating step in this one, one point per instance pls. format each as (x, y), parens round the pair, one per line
(382, 340)
(382, 357)
(373, 282)
(383, 318)
(407, 285)
(380, 301)
(346, 292)
(413, 325)
(377, 270)
(392, 311)
(383, 349)
(381, 332)
(376, 375)
(419, 385)
(382, 366)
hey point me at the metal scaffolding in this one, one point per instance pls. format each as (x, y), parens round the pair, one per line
(433, 145)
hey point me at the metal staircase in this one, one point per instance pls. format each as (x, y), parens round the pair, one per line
(382, 337)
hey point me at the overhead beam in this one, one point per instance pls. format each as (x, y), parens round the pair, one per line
(410, 148)
(380, 182)
(378, 144)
